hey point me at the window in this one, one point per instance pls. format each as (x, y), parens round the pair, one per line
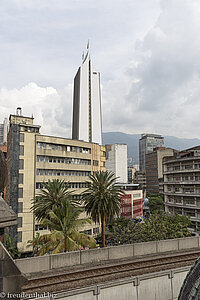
(19, 236)
(20, 192)
(39, 185)
(20, 207)
(19, 222)
(95, 163)
(40, 227)
(21, 150)
(21, 178)
(21, 137)
(41, 145)
(21, 164)
(136, 195)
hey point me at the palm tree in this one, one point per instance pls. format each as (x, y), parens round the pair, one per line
(52, 194)
(36, 243)
(64, 223)
(102, 199)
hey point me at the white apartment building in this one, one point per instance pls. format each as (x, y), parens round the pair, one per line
(116, 161)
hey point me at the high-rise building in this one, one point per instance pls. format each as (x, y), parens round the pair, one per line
(182, 185)
(87, 119)
(147, 143)
(154, 169)
(116, 161)
(34, 159)
(3, 132)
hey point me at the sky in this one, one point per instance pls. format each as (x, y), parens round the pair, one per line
(147, 51)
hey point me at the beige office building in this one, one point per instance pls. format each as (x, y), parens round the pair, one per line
(33, 159)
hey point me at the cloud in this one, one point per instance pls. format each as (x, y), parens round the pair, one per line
(148, 53)
(51, 108)
(163, 76)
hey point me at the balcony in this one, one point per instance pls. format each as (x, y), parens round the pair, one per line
(188, 194)
(181, 171)
(182, 182)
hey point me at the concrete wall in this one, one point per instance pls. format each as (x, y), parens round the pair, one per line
(47, 262)
(160, 286)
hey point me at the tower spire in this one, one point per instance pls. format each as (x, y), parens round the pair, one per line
(88, 45)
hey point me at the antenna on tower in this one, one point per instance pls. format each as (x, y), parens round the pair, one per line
(88, 45)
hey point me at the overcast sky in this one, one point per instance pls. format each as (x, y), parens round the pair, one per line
(147, 51)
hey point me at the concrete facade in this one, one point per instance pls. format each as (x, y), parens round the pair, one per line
(154, 169)
(116, 161)
(164, 285)
(49, 262)
(140, 178)
(34, 159)
(182, 185)
(11, 278)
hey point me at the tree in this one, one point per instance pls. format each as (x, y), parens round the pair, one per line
(64, 223)
(158, 227)
(36, 243)
(10, 245)
(156, 203)
(52, 194)
(102, 199)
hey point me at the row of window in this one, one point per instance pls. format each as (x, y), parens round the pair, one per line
(46, 172)
(183, 167)
(95, 230)
(185, 189)
(73, 185)
(183, 178)
(30, 129)
(137, 195)
(51, 146)
(185, 212)
(53, 159)
(181, 201)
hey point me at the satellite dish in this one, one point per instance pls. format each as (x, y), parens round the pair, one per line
(146, 201)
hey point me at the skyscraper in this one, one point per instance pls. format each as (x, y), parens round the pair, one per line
(147, 143)
(87, 119)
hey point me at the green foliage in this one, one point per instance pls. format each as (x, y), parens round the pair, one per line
(63, 223)
(102, 199)
(56, 210)
(51, 195)
(157, 227)
(10, 245)
(36, 243)
(156, 203)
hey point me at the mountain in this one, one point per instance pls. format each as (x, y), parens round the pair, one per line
(132, 141)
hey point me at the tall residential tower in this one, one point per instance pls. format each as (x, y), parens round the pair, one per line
(87, 119)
